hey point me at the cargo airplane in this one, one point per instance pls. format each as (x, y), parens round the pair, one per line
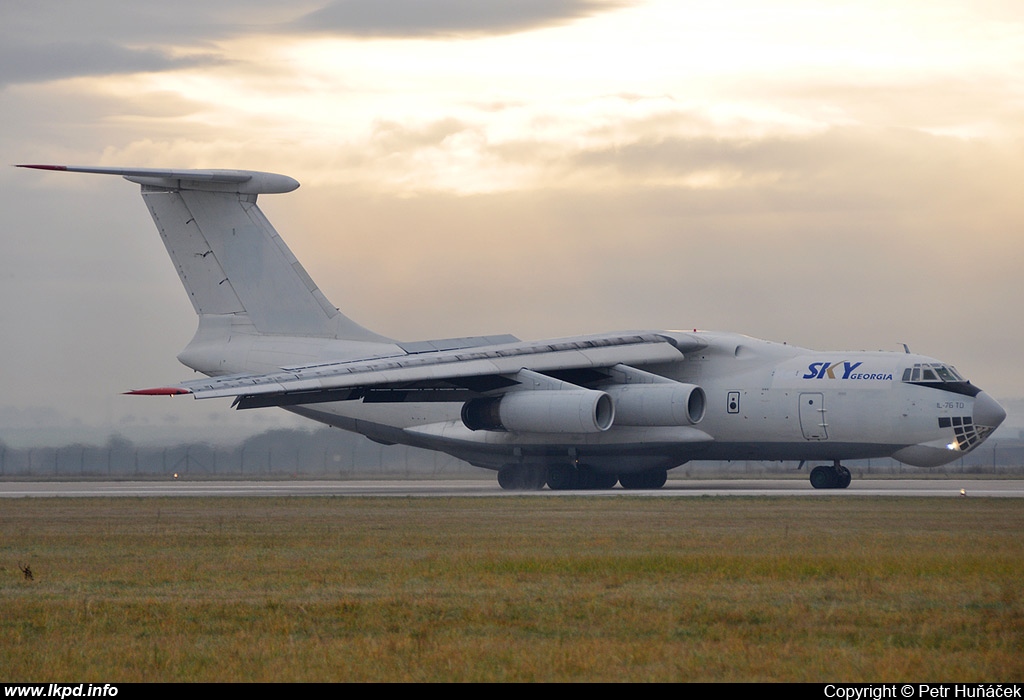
(579, 412)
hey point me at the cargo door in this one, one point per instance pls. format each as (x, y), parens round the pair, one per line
(813, 421)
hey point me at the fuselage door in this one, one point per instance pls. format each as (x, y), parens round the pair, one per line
(812, 416)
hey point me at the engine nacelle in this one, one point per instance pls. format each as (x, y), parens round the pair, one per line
(544, 411)
(658, 404)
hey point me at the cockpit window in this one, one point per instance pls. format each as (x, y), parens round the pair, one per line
(931, 373)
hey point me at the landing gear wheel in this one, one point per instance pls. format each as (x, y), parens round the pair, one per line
(562, 477)
(824, 477)
(603, 480)
(844, 477)
(835, 476)
(590, 479)
(518, 477)
(656, 478)
(653, 479)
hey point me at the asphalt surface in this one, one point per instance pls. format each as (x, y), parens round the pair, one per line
(948, 488)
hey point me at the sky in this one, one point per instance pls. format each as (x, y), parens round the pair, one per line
(836, 175)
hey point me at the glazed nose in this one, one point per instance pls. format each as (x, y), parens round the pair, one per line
(987, 411)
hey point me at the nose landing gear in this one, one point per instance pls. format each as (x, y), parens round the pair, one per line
(835, 476)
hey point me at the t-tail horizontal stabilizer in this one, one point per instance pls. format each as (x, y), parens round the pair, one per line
(238, 181)
(237, 271)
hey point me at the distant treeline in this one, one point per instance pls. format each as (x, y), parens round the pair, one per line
(330, 453)
(273, 454)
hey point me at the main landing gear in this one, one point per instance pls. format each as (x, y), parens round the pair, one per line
(565, 477)
(835, 476)
(519, 477)
(653, 479)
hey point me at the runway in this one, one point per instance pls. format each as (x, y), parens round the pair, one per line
(948, 488)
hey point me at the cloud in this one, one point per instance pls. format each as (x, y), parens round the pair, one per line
(31, 63)
(826, 168)
(185, 21)
(48, 40)
(43, 41)
(444, 18)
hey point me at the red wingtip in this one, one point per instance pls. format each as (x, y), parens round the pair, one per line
(158, 391)
(43, 167)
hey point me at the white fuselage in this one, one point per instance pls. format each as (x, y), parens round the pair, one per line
(765, 401)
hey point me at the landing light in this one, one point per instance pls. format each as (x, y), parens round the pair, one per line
(953, 446)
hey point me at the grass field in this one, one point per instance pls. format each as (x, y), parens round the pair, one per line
(523, 589)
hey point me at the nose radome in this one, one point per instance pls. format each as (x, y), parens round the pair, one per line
(987, 411)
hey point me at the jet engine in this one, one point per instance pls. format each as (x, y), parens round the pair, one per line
(658, 404)
(556, 411)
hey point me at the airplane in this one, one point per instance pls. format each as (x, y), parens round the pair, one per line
(582, 412)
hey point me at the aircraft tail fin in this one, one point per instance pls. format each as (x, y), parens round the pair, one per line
(229, 257)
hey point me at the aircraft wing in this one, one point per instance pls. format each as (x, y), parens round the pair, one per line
(438, 376)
